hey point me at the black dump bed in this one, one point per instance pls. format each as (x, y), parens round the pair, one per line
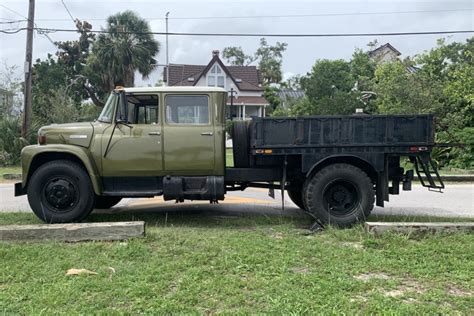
(343, 131)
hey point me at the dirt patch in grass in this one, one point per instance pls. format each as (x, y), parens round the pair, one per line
(355, 245)
(451, 289)
(300, 270)
(372, 276)
(407, 286)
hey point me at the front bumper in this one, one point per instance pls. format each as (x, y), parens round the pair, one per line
(19, 189)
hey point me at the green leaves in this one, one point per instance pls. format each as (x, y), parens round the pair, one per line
(128, 47)
(269, 59)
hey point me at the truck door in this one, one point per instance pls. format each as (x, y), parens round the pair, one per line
(188, 135)
(136, 147)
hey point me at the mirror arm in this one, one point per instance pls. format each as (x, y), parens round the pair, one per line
(110, 139)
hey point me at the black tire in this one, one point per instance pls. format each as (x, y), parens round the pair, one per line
(104, 202)
(240, 144)
(60, 192)
(296, 195)
(340, 195)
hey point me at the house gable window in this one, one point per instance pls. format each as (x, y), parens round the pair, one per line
(216, 77)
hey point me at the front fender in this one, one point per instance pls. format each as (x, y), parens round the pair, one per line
(34, 153)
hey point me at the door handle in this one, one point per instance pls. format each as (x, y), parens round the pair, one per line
(206, 134)
(154, 133)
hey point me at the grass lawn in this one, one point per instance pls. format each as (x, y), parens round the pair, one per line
(229, 157)
(199, 263)
(9, 169)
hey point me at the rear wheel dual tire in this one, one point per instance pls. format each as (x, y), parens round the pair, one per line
(340, 195)
(240, 144)
(61, 191)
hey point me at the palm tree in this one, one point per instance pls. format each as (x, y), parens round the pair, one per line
(126, 46)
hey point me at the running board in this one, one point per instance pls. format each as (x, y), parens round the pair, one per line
(134, 194)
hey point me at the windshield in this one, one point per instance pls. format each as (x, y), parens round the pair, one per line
(107, 113)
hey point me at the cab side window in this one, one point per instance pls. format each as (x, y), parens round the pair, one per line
(189, 109)
(143, 108)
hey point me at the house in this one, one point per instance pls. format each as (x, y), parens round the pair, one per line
(384, 53)
(245, 82)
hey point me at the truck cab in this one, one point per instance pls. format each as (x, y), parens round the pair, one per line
(145, 142)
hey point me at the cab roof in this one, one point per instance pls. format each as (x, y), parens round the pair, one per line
(174, 89)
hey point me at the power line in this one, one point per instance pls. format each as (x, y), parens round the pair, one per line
(69, 12)
(13, 21)
(282, 16)
(8, 31)
(41, 32)
(266, 35)
(53, 30)
(16, 12)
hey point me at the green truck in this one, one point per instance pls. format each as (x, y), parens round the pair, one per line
(170, 141)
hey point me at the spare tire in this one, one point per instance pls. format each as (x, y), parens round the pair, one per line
(240, 143)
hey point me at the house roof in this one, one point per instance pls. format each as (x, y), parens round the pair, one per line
(246, 78)
(385, 46)
(290, 93)
(248, 101)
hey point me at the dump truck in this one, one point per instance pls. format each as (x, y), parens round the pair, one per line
(170, 142)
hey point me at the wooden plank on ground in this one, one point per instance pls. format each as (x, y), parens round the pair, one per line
(74, 232)
(379, 228)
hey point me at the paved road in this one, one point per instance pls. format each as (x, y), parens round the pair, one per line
(456, 201)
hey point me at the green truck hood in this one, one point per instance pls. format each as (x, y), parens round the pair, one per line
(79, 134)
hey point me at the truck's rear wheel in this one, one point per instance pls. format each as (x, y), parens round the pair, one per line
(60, 191)
(104, 202)
(296, 195)
(340, 195)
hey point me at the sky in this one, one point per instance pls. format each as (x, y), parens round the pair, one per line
(245, 16)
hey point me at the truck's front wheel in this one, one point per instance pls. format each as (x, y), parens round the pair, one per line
(61, 191)
(340, 195)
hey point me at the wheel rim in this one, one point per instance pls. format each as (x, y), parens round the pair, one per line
(60, 194)
(342, 197)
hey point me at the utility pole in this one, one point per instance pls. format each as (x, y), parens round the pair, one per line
(167, 53)
(25, 127)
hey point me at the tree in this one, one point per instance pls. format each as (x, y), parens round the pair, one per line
(10, 91)
(126, 47)
(269, 59)
(271, 95)
(402, 92)
(235, 56)
(82, 81)
(362, 69)
(293, 83)
(327, 78)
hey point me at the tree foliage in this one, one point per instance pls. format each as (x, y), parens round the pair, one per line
(127, 47)
(235, 56)
(10, 91)
(269, 59)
